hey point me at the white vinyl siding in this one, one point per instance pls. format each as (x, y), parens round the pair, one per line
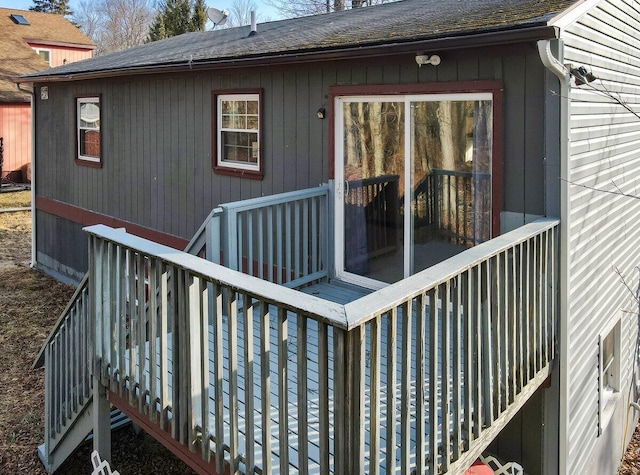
(604, 227)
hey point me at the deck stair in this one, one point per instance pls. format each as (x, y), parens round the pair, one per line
(218, 353)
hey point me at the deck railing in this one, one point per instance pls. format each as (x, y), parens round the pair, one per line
(419, 375)
(66, 355)
(454, 206)
(281, 238)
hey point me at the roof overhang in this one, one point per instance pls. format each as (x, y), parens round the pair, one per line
(61, 44)
(478, 40)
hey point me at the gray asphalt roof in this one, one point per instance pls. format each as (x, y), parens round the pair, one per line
(396, 22)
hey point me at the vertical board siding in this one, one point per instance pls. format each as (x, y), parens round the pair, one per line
(156, 136)
(15, 128)
(604, 228)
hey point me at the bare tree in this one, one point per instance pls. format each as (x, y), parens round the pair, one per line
(115, 24)
(296, 8)
(240, 13)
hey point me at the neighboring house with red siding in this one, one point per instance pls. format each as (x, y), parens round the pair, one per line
(31, 41)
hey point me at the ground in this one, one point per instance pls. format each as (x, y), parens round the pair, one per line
(30, 303)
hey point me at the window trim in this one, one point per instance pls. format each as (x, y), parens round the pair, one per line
(38, 50)
(232, 169)
(85, 160)
(607, 396)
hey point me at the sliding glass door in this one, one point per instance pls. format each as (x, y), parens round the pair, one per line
(413, 182)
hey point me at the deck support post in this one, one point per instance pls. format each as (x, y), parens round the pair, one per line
(101, 420)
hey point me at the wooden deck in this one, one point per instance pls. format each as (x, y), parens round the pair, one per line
(337, 292)
(304, 385)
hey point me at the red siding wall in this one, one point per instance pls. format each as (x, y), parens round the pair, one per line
(59, 54)
(15, 128)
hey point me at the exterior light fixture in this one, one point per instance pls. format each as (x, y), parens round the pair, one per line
(582, 76)
(421, 59)
(321, 113)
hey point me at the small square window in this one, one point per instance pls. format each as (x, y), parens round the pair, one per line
(44, 54)
(608, 372)
(88, 147)
(237, 137)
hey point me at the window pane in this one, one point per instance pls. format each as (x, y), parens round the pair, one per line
(374, 169)
(252, 122)
(451, 149)
(90, 143)
(89, 115)
(252, 107)
(240, 147)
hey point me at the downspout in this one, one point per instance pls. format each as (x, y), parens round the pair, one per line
(33, 170)
(557, 68)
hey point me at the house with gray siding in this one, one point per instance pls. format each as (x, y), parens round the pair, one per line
(393, 238)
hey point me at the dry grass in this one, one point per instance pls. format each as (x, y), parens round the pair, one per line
(30, 303)
(18, 199)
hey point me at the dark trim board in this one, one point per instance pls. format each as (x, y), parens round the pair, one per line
(88, 218)
(192, 459)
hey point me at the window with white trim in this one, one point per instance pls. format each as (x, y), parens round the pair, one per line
(237, 137)
(88, 129)
(44, 54)
(609, 372)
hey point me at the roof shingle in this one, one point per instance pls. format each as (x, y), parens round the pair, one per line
(17, 57)
(389, 23)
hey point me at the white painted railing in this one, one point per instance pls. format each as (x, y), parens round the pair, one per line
(67, 356)
(419, 375)
(281, 238)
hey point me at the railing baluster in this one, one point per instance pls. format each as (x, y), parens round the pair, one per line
(458, 353)
(152, 322)
(488, 341)
(163, 343)
(247, 311)
(446, 375)
(435, 378)
(405, 387)
(204, 296)
(232, 322)
(132, 324)
(122, 322)
(142, 327)
(287, 243)
(265, 386)
(194, 359)
(218, 355)
(421, 382)
(283, 388)
(302, 403)
(375, 420)
(323, 394)
(391, 417)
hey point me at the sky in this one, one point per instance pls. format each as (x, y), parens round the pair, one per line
(220, 4)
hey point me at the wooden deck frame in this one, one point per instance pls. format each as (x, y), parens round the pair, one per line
(153, 297)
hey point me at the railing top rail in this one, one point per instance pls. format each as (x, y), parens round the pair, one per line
(39, 361)
(198, 237)
(380, 301)
(264, 201)
(293, 300)
(441, 171)
(347, 316)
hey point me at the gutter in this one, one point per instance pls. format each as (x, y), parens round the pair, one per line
(561, 72)
(481, 40)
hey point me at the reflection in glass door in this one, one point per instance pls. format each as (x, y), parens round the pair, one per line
(414, 182)
(373, 176)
